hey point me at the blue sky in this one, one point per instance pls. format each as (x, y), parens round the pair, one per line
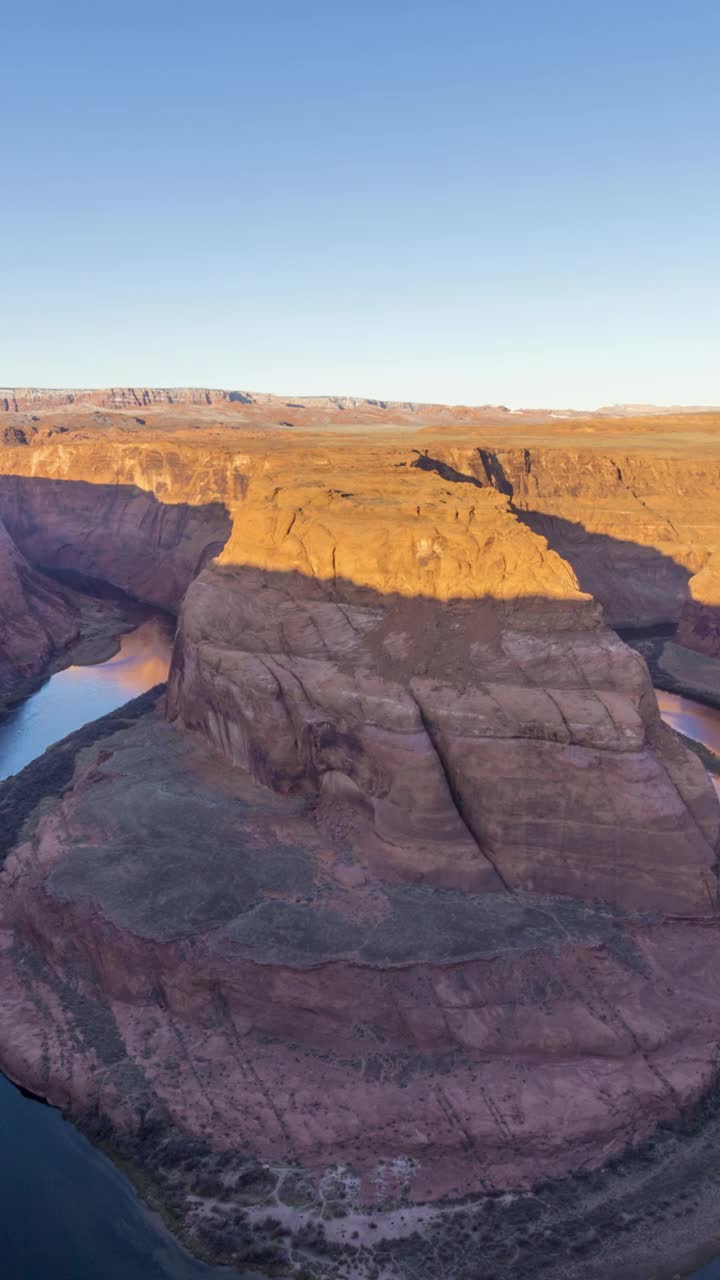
(512, 202)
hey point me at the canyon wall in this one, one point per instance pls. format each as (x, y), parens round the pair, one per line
(641, 530)
(119, 532)
(699, 626)
(412, 651)
(405, 877)
(398, 644)
(36, 621)
(252, 406)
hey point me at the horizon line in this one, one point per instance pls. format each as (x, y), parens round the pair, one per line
(379, 401)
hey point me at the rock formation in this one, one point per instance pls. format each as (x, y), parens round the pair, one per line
(405, 888)
(635, 526)
(36, 621)
(118, 532)
(217, 956)
(250, 405)
(315, 411)
(699, 626)
(412, 648)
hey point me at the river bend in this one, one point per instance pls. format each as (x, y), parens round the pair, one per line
(67, 1211)
(91, 1222)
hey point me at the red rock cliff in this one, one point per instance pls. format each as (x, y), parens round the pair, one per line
(394, 884)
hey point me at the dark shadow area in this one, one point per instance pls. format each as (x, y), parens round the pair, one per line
(98, 588)
(658, 631)
(51, 773)
(638, 586)
(494, 474)
(424, 462)
(120, 534)
(102, 537)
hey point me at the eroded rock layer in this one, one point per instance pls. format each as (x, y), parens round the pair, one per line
(36, 621)
(406, 885)
(637, 528)
(416, 654)
(120, 533)
(180, 943)
(399, 643)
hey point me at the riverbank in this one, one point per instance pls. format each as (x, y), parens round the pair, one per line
(106, 615)
(102, 621)
(711, 759)
(639, 1218)
(673, 667)
(88, 1207)
(652, 1213)
(683, 673)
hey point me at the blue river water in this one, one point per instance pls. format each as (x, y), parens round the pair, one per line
(710, 1272)
(67, 1213)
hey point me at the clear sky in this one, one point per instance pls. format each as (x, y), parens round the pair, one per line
(455, 200)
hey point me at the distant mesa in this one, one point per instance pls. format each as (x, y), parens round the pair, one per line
(394, 412)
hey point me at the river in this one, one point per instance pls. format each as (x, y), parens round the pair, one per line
(703, 724)
(67, 1212)
(694, 720)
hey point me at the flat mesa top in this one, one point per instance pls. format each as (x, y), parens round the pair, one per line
(32, 416)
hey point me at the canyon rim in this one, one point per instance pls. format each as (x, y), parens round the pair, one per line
(400, 901)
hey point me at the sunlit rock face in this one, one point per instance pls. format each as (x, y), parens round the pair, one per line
(408, 647)
(148, 546)
(634, 526)
(405, 861)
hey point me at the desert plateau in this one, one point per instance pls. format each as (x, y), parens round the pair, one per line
(370, 926)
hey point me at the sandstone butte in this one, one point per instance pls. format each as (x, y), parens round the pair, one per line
(402, 893)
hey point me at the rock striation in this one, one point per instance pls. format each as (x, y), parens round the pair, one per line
(375, 632)
(699, 626)
(415, 651)
(36, 621)
(404, 886)
(121, 533)
(37, 399)
(636, 527)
